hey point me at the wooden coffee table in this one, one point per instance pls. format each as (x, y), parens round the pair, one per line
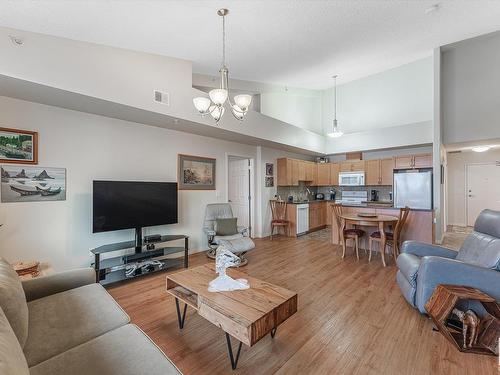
(247, 315)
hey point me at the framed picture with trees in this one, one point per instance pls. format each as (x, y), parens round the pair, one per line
(18, 146)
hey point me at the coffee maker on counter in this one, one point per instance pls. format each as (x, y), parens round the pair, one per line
(373, 195)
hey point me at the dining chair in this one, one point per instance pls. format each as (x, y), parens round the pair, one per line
(279, 220)
(353, 234)
(393, 239)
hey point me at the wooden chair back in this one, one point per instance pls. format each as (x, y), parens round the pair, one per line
(278, 210)
(336, 212)
(398, 229)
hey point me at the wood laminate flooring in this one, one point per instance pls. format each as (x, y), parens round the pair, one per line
(351, 319)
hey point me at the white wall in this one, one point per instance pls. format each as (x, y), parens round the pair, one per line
(268, 155)
(457, 162)
(388, 109)
(130, 78)
(299, 109)
(470, 78)
(96, 147)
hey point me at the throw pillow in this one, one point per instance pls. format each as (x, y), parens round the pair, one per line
(226, 227)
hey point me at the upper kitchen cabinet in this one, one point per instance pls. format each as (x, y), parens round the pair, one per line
(413, 161)
(379, 171)
(352, 166)
(386, 171)
(324, 176)
(291, 171)
(422, 161)
(334, 174)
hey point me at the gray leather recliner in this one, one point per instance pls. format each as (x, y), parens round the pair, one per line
(477, 264)
(238, 243)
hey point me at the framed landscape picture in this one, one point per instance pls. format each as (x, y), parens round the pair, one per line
(18, 146)
(196, 173)
(32, 184)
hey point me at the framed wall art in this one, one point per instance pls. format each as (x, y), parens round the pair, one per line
(18, 146)
(196, 173)
(32, 184)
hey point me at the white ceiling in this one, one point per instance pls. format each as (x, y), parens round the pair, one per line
(297, 43)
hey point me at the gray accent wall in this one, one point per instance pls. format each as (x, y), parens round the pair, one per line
(470, 95)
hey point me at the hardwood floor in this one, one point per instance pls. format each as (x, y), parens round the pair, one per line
(351, 319)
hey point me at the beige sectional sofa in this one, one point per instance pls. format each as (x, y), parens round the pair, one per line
(68, 324)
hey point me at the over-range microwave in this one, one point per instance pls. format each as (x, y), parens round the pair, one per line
(351, 178)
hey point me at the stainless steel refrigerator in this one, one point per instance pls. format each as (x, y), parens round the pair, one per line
(413, 189)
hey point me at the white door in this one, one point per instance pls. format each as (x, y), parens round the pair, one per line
(483, 181)
(239, 189)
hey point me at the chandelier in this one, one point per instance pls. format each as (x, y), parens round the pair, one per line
(215, 106)
(336, 132)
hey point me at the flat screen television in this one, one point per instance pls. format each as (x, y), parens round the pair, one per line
(130, 204)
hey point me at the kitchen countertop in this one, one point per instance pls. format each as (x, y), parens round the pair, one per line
(378, 204)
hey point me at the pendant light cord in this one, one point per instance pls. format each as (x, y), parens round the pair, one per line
(223, 41)
(335, 102)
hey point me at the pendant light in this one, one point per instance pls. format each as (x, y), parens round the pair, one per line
(336, 132)
(215, 104)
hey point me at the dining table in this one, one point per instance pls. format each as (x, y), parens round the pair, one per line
(370, 220)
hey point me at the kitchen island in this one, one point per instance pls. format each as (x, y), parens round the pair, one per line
(419, 225)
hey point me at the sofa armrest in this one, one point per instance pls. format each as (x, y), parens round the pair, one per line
(436, 270)
(58, 282)
(422, 249)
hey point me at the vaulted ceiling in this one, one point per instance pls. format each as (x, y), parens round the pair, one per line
(292, 43)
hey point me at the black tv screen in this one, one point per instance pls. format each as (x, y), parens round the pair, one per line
(129, 204)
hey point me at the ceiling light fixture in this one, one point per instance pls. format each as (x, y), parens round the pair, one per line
(219, 97)
(336, 132)
(480, 148)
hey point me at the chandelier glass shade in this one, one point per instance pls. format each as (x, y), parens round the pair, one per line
(215, 104)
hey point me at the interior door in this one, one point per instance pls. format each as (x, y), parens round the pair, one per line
(482, 189)
(239, 189)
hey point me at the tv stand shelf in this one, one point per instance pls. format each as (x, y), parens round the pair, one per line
(112, 269)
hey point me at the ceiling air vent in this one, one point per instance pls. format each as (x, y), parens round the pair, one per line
(162, 97)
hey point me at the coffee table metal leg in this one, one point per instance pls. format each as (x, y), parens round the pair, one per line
(234, 361)
(273, 332)
(180, 319)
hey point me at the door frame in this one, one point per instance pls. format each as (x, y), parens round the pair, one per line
(251, 204)
(466, 191)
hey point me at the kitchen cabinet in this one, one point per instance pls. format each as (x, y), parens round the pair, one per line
(386, 171)
(413, 161)
(291, 171)
(309, 176)
(379, 172)
(317, 215)
(334, 174)
(422, 161)
(324, 171)
(352, 166)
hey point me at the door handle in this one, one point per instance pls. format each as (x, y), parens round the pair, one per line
(229, 200)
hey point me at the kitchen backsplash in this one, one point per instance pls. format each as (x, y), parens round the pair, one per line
(300, 192)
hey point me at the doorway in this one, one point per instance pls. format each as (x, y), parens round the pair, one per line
(482, 181)
(240, 189)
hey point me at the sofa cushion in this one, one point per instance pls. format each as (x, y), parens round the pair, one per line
(13, 301)
(217, 239)
(408, 264)
(64, 320)
(481, 250)
(12, 360)
(123, 351)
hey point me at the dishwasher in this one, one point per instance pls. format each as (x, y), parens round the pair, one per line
(302, 218)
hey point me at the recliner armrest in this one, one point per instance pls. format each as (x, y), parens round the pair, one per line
(58, 282)
(209, 232)
(422, 249)
(437, 270)
(243, 230)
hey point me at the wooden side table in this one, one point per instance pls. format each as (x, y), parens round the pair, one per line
(441, 305)
(44, 269)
